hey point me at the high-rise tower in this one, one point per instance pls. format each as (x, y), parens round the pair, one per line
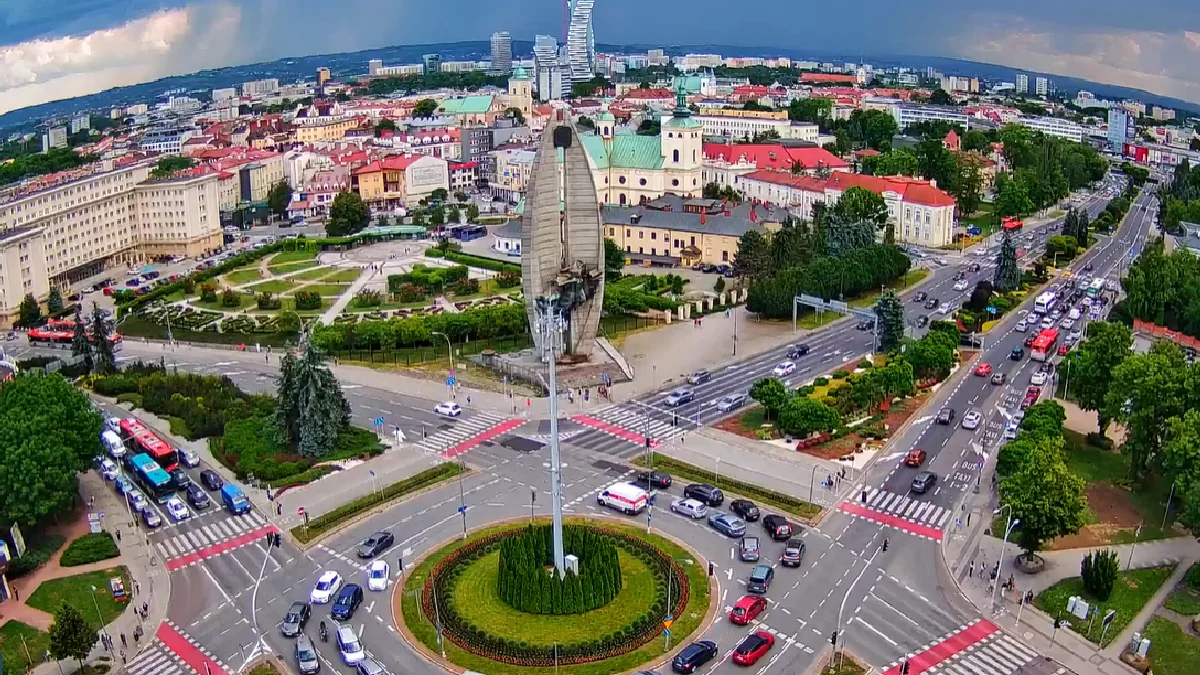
(502, 52)
(581, 41)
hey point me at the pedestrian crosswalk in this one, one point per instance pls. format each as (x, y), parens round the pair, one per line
(156, 660)
(979, 648)
(636, 420)
(910, 508)
(210, 534)
(449, 437)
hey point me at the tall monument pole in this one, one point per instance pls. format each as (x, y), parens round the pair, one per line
(551, 324)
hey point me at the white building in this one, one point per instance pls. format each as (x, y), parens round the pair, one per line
(581, 41)
(1041, 86)
(1053, 126)
(80, 122)
(502, 52)
(1162, 114)
(548, 69)
(260, 87)
(746, 124)
(1022, 83)
(224, 94)
(55, 137)
(1086, 99)
(908, 114)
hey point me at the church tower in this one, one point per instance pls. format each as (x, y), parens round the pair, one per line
(682, 140)
(520, 92)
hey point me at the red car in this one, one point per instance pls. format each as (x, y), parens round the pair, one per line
(983, 369)
(1032, 395)
(1063, 349)
(108, 290)
(747, 609)
(753, 647)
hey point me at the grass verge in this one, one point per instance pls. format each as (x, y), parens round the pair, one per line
(842, 665)
(274, 286)
(1172, 650)
(77, 592)
(688, 621)
(1184, 601)
(292, 256)
(243, 276)
(342, 276)
(1130, 594)
(289, 268)
(327, 290)
(22, 646)
(763, 496)
(328, 521)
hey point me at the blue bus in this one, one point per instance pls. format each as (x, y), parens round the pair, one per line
(154, 480)
(469, 232)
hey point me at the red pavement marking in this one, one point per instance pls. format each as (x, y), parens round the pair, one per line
(619, 432)
(955, 644)
(501, 428)
(856, 509)
(217, 549)
(184, 649)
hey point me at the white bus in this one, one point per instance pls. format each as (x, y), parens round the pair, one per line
(1045, 302)
(1095, 288)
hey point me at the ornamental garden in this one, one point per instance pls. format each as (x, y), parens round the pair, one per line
(503, 609)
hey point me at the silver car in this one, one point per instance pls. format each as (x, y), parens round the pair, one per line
(731, 402)
(680, 396)
(306, 655)
(972, 419)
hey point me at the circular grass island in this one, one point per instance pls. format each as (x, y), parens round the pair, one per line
(503, 610)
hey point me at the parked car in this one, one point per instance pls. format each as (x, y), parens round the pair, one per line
(760, 579)
(705, 493)
(777, 527)
(748, 549)
(793, 552)
(107, 468)
(727, 524)
(1039, 378)
(747, 609)
(744, 509)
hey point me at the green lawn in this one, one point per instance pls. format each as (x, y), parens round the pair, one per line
(292, 267)
(243, 276)
(313, 274)
(245, 300)
(327, 289)
(423, 629)
(981, 219)
(1172, 650)
(342, 276)
(1130, 594)
(13, 648)
(273, 286)
(77, 592)
(291, 256)
(1184, 601)
(478, 582)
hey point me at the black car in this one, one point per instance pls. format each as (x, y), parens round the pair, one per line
(796, 351)
(864, 325)
(704, 493)
(348, 599)
(293, 622)
(180, 478)
(375, 544)
(793, 552)
(923, 481)
(945, 416)
(922, 321)
(777, 526)
(211, 479)
(693, 656)
(197, 497)
(744, 509)
(920, 296)
(1017, 354)
(657, 480)
(975, 267)
(931, 303)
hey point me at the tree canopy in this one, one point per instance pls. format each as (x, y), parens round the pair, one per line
(312, 410)
(889, 312)
(348, 215)
(1007, 277)
(1045, 497)
(279, 197)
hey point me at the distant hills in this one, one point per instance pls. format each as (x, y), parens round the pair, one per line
(346, 64)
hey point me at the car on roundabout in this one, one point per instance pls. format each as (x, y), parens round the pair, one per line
(295, 619)
(727, 524)
(690, 508)
(777, 526)
(349, 645)
(793, 552)
(327, 584)
(448, 409)
(748, 550)
(753, 647)
(375, 544)
(378, 574)
(693, 656)
(745, 509)
(747, 609)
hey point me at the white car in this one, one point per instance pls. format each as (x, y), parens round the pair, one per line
(944, 308)
(1047, 323)
(177, 509)
(962, 285)
(327, 585)
(972, 419)
(1068, 323)
(1011, 429)
(1038, 379)
(107, 468)
(784, 369)
(349, 645)
(981, 252)
(1074, 337)
(378, 575)
(448, 409)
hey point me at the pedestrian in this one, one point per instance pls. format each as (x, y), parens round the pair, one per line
(118, 536)
(137, 588)
(137, 636)
(971, 570)
(16, 596)
(123, 659)
(145, 608)
(468, 399)
(278, 509)
(124, 642)
(864, 496)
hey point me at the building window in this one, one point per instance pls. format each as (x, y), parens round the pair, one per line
(675, 182)
(693, 240)
(621, 180)
(693, 182)
(621, 199)
(653, 251)
(628, 249)
(627, 232)
(724, 256)
(654, 235)
(641, 250)
(675, 156)
(641, 234)
(641, 181)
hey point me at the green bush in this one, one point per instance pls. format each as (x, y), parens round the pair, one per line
(90, 548)
(508, 279)
(840, 374)
(231, 298)
(134, 400)
(208, 293)
(368, 298)
(864, 364)
(474, 261)
(267, 301)
(1099, 572)
(204, 403)
(249, 446)
(307, 300)
(39, 548)
(179, 427)
(821, 381)
(115, 385)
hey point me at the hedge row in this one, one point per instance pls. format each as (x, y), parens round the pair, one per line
(471, 260)
(338, 516)
(766, 496)
(39, 549)
(90, 548)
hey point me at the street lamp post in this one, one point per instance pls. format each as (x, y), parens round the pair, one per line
(1008, 528)
(449, 353)
(551, 324)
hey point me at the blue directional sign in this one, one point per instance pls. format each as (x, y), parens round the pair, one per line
(462, 509)
(991, 310)
(450, 381)
(378, 421)
(667, 631)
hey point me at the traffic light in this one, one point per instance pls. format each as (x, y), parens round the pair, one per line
(904, 667)
(647, 442)
(674, 419)
(270, 540)
(278, 540)
(833, 638)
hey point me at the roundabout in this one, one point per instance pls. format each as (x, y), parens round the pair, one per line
(502, 609)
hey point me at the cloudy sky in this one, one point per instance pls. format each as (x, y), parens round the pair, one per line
(51, 49)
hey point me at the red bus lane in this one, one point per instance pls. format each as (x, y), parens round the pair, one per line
(183, 647)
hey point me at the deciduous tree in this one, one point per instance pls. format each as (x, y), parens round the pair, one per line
(1091, 369)
(1045, 496)
(771, 393)
(802, 416)
(1146, 391)
(348, 215)
(279, 197)
(425, 108)
(70, 635)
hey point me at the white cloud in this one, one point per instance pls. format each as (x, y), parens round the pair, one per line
(1159, 62)
(164, 43)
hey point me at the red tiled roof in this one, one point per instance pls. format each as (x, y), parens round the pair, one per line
(640, 93)
(393, 163)
(911, 190)
(774, 155)
(827, 77)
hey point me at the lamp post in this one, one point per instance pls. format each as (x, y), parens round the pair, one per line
(1008, 528)
(450, 355)
(96, 604)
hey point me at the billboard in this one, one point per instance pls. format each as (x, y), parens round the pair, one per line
(424, 176)
(17, 540)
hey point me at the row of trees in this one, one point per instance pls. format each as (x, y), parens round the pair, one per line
(1164, 288)
(41, 163)
(411, 84)
(527, 585)
(827, 277)
(1180, 198)
(348, 215)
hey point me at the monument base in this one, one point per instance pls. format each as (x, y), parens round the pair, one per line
(573, 372)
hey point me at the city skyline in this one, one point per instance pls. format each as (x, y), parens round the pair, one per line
(61, 50)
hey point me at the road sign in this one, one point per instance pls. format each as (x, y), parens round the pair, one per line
(300, 510)
(462, 509)
(991, 310)
(1108, 618)
(667, 624)
(378, 421)
(667, 632)
(450, 381)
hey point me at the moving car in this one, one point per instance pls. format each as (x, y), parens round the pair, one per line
(151, 518)
(370, 666)
(1032, 394)
(375, 544)
(211, 479)
(753, 647)
(327, 584)
(1038, 378)
(760, 579)
(680, 396)
(943, 308)
(784, 369)
(137, 501)
(731, 402)
(188, 458)
(796, 351)
(107, 468)
(983, 369)
(727, 524)
(295, 619)
(945, 415)
(914, 458)
(347, 601)
(1011, 428)
(378, 574)
(962, 285)
(972, 419)
(864, 325)
(744, 509)
(920, 296)
(998, 378)
(746, 609)
(180, 478)
(748, 549)
(122, 485)
(659, 480)
(704, 492)
(177, 510)
(689, 507)
(699, 377)
(923, 481)
(349, 645)
(777, 526)
(1016, 354)
(448, 409)
(1021, 326)
(922, 321)
(306, 656)
(1067, 324)
(627, 498)
(197, 497)
(793, 552)
(931, 303)
(693, 656)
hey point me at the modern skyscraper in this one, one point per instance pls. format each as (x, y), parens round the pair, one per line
(1121, 128)
(547, 69)
(322, 76)
(1041, 86)
(1022, 83)
(433, 63)
(374, 66)
(502, 52)
(581, 41)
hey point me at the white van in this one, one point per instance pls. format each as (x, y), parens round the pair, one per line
(623, 497)
(1021, 326)
(112, 444)
(1073, 314)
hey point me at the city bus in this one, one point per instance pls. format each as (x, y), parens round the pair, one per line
(142, 440)
(1044, 345)
(469, 232)
(156, 482)
(1011, 223)
(1044, 304)
(1095, 288)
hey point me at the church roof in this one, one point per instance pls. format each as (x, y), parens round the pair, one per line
(520, 74)
(682, 123)
(471, 105)
(626, 151)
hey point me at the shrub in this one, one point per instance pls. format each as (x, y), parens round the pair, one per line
(189, 285)
(840, 374)
(90, 548)
(203, 403)
(524, 584)
(508, 279)
(308, 300)
(114, 385)
(1099, 572)
(409, 292)
(368, 298)
(267, 301)
(865, 364)
(208, 293)
(39, 549)
(465, 287)
(821, 381)
(231, 298)
(134, 400)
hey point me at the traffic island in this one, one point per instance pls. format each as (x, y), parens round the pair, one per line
(502, 609)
